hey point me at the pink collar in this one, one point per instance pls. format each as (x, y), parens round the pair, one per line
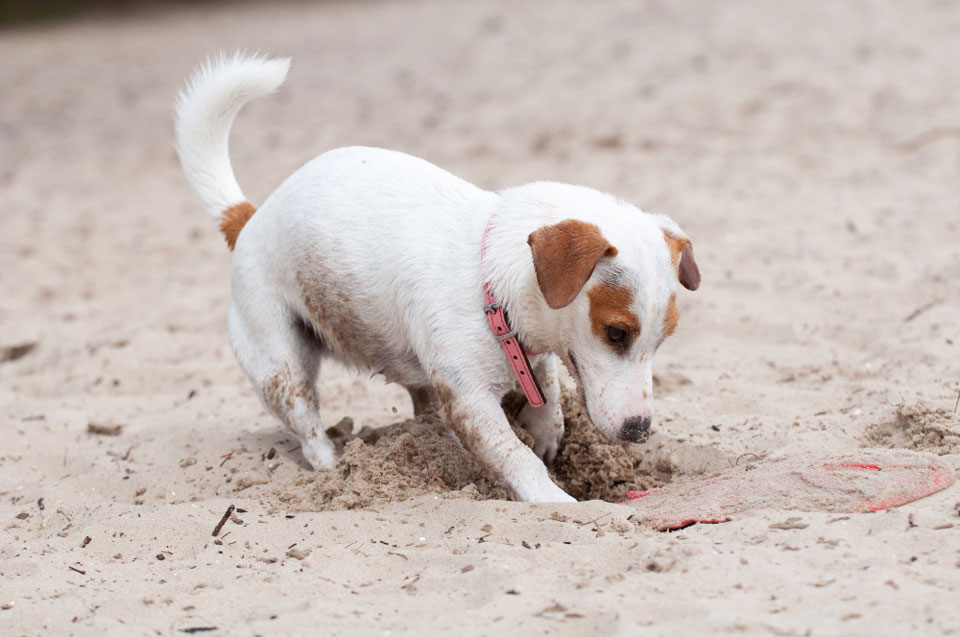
(508, 338)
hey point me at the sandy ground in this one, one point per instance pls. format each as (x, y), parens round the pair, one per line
(811, 149)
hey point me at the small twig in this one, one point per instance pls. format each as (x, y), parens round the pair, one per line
(955, 405)
(77, 570)
(14, 352)
(920, 310)
(226, 457)
(744, 455)
(927, 137)
(593, 520)
(789, 524)
(409, 586)
(223, 520)
(104, 430)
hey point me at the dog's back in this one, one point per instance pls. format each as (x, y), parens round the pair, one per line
(362, 244)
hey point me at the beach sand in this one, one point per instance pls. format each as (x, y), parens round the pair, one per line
(812, 151)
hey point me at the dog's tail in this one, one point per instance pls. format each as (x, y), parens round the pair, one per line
(205, 112)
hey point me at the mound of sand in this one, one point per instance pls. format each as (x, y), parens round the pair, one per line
(919, 427)
(421, 455)
(809, 149)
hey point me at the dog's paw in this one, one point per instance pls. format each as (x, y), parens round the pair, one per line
(546, 438)
(319, 453)
(546, 447)
(548, 492)
(546, 427)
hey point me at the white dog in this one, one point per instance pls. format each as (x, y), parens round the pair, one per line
(393, 265)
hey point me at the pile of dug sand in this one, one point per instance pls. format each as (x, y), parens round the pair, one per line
(919, 427)
(422, 455)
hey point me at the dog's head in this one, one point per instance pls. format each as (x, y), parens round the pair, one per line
(610, 281)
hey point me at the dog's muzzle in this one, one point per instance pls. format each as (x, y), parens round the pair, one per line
(635, 429)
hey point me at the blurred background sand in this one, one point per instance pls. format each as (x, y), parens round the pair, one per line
(812, 150)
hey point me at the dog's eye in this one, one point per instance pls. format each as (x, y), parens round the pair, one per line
(615, 335)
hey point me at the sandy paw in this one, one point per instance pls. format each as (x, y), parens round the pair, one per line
(319, 453)
(548, 492)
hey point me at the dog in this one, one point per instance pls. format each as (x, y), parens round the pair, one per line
(393, 265)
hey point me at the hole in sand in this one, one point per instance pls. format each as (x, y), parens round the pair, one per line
(421, 456)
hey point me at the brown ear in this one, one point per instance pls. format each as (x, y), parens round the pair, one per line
(689, 273)
(564, 256)
(682, 252)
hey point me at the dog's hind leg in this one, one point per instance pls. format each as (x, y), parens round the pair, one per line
(424, 399)
(281, 356)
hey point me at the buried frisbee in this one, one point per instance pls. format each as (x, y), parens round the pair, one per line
(871, 480)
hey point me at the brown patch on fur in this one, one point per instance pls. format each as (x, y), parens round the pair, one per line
(472, 435)
(445, 395)
(610, 305)
(681, 253)
(348, 329)
(564, 256)
(281, 393)
(675, 245)
(671, 316)
(233, 219)
(455, 418)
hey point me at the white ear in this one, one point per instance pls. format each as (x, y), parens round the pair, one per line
(670, 227)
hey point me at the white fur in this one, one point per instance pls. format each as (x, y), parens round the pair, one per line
(205, 112)
(395, 241)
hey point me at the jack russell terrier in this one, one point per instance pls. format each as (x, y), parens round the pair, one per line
(390, 264)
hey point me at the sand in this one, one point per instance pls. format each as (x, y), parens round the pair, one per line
(810, 149)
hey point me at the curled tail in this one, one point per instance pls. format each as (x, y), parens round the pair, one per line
(205, 112)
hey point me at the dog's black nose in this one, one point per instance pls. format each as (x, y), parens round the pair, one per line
(635, 429)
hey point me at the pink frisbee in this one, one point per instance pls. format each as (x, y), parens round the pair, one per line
(871, 480)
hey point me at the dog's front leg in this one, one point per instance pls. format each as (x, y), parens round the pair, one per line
(545, 423)
(482, 427)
